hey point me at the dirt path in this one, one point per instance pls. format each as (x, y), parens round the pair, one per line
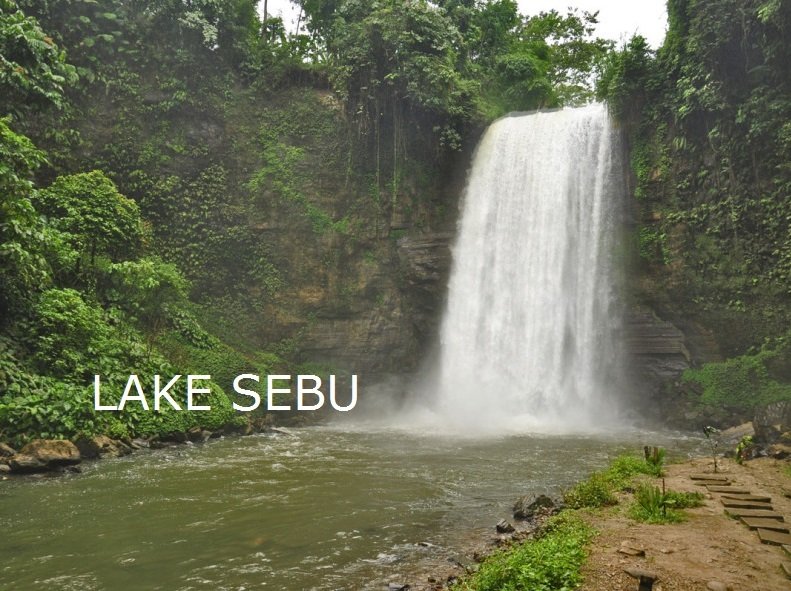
(709, 546)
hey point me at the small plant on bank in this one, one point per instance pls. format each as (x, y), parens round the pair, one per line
(712, 436)
(655, 505)
(745, 449)
(655, 458)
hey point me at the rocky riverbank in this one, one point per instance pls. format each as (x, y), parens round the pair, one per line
(708, 550)
(62, 456)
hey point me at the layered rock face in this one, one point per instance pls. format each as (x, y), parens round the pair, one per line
(386, 323)
(425, 262)
(657, 349)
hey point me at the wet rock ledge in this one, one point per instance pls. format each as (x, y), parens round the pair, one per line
(61, 456)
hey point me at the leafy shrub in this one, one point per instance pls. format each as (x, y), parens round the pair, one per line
(653, 505)
(624, 467)
(169, 420)
(655, 460)
(52, 409)
(745, 448)
(683, 500)
(650, 506)
(596, 491)
(740, 384)
(550, 563)
(70, 334)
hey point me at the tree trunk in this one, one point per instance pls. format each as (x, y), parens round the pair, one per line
(266, 15)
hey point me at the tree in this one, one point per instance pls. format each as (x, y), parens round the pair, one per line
(393, 62)
(97, 219)
(148, 290)
(230, 28)
(574, 57)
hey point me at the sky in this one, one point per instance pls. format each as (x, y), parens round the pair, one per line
(618, 19)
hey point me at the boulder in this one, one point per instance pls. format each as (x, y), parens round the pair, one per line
(6, 451)
(527, 506)
(503, 527)
(646, 578)
(195, 435)
(25, 464)
(101, 446)
(731, 437)
(52, 452)
(88, 446)
(4, 469)
(245, 428)
(779, 451)
(175, 437)
(771, 421)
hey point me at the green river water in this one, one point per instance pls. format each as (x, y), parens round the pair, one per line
(324, 508)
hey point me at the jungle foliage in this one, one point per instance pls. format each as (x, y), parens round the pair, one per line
(148, 148)
(146, 145)
(707, 117)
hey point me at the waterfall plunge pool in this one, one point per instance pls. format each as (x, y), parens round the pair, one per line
(326, 508)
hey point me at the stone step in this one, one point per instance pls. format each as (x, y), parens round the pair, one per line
(737, 513)
(731, 504)
(764, 523)
(711, 482)
(776, 538)
(709, 477)
(787, 549)
(747, 497)
(726, 489)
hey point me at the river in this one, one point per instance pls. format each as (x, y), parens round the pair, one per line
(323, 508)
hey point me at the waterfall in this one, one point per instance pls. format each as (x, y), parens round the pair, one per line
(529, 334)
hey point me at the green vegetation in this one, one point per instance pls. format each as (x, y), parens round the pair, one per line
(552, 562)
(744, 449)
(182, 184)
(740, 384)
(654, 505)
(599, 489)
(707, 116)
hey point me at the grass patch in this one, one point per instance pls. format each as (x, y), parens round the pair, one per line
(551, 562)
(599, 489)
(596, 491)
(652, 505)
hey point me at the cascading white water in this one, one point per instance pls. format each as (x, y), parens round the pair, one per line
(529, 329)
